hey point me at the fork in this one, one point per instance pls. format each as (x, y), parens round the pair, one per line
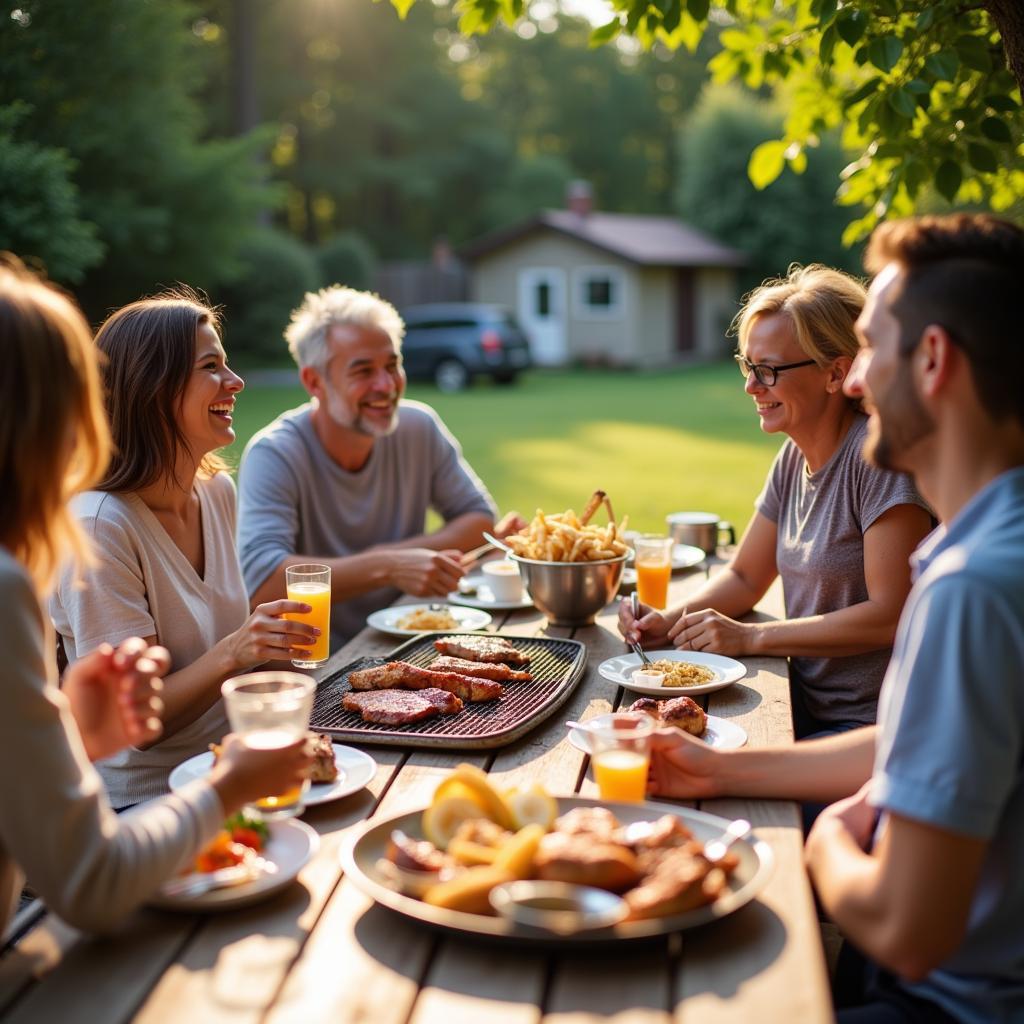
(634, 599)
(237, 874)
(715, 849)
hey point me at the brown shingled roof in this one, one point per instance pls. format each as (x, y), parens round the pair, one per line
(649, 241)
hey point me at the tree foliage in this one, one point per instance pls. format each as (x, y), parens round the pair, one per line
(919, 88)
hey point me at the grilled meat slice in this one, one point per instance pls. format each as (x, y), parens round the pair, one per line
(482, 648)
(324, 768)
(400, 707)
(403, 676)
(497, 671)
(682, 712)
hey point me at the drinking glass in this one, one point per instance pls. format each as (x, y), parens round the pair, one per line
(653, 569)
(621, 754)
(269, 710)
(311, 584)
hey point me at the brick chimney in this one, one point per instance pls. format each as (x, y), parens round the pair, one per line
(579, 198)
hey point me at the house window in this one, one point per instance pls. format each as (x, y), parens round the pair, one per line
(599, 293)
(543, 299)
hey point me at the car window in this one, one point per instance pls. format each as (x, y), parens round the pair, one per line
(434, 325)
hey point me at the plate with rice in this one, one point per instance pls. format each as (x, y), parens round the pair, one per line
(413, 619)
(686, 672)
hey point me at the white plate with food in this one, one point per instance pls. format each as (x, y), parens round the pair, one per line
(355, 769)
(684, 556)
(474, 592)
(362, 858)
(714, 671)
(413, 619)
(290, 846)
(719, 733)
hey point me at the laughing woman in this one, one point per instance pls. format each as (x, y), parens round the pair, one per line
(162, 522)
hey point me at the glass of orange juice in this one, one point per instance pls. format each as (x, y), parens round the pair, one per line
(311, 584)
(653, 569)
(621, 753)
(269, 710)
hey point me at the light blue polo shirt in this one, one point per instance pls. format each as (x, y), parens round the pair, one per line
(951, 734)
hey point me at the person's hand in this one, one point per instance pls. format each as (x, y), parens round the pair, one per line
(708, 630)
(424, 572)
(852, 816)
(244, 774)
(650, 630)
(267, 636)
(115, 696)
(511, 522)
(682, 766)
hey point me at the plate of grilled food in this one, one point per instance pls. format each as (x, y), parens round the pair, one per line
(680, 671)
(679, 713)
(414, 619)
(465, 691)
(452, 874)
(337, 770)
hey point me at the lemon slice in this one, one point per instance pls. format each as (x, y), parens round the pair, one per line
(441, 820)
(469, 781)
(533, 805)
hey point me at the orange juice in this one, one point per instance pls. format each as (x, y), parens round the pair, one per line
(318, 596)
(290, 801)
(621, 774)
(652, 583)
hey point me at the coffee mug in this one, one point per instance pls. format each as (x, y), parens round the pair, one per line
(702, 530)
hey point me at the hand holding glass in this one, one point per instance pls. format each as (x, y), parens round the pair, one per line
(621, 754)
(269, 710)
(311, 584)
(653, 569)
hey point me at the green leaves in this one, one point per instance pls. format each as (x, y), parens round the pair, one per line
(943, 65)
(902, 101)
(996, 129)
(948, 177)
(698, 9)
(981, 158)
(766, 163)
(884, 52)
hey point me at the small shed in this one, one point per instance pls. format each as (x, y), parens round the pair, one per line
(613, 288)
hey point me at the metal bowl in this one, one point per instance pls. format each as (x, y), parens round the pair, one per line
(571, 593)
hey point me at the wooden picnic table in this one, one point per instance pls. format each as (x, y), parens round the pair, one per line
(320, 950)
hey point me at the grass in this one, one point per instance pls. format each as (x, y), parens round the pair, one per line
(656, 442)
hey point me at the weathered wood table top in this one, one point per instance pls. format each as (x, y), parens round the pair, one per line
(320, 950)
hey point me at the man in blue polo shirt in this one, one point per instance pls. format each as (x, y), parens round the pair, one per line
(923, 868)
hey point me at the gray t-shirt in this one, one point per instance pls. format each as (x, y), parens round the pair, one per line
(822, 518)
(143, 585)
(295, 499)
(951, 735)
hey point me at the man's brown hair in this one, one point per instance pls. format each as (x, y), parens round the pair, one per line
(964, 272)
(150, 349)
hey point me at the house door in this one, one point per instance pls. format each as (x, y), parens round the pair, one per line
(541, 312)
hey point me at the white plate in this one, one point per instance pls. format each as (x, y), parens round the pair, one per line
(484, 598)
(620, 670)
(355, 770)
(756, 862)
(719, 733)
(292, 843)
(386, 620)
(684, 556)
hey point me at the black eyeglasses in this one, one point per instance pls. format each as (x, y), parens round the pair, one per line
(764, 373)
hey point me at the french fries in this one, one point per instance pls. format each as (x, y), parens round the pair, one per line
(566, 537)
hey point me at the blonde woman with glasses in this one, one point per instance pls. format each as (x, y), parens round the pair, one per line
(89, 865)
(837, 530)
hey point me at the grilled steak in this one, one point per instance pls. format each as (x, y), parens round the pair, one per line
(403, 676)
(482, 648)
(497, 671)
(400, 707)
(682, 712)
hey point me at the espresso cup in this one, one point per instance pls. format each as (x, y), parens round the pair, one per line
(503, 579)
(702, 530)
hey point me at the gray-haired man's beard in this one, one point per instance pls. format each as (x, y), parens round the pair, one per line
(359, 423)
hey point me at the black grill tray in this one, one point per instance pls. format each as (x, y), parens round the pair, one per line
(556, 666)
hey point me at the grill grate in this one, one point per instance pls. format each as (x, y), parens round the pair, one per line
(556, 666)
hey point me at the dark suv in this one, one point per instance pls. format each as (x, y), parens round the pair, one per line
(452, 342)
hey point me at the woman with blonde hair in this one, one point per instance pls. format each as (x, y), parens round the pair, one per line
(163, 522)
(838, 530)
(56, 826)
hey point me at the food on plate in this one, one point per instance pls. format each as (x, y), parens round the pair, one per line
(402, 675)
(427, 619)
(324, 769)
(497, 671)
(481, 648)
(681, 673)
(681, 712)
(658, 866)
(532, 805)
(239, 842)
(566, 537)
(401, 707)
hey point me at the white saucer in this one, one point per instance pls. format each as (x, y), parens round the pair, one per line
(484, 598)
(684, 556)
(621, 668)
(355, 770)
(387, 619)
(720, 733)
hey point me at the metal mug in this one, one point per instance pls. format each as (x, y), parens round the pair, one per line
(702, 530)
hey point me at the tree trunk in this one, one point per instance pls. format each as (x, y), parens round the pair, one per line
(245, 108)
(1009, 18)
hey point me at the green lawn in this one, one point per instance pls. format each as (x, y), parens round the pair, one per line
(656, 442)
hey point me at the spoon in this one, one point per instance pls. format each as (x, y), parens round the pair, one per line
(715, 849)
(498, 543)
(634, 599)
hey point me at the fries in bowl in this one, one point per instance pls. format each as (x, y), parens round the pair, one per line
(566, 537)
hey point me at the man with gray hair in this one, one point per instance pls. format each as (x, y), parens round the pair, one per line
(347, 478)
